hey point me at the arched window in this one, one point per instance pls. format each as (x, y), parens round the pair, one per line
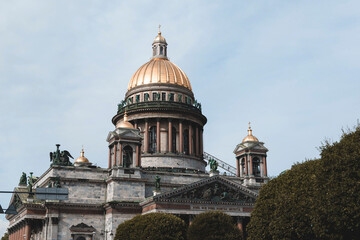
(256, 167)
(186, 141)
(243, 166)
(127, 156)
(152, 139)
(161, 50)
(173, 139)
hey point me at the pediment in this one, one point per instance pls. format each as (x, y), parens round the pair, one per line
(124, 133)
(214, 189)
(82, 227)
(250, 146)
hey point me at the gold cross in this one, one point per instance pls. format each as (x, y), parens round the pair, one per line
(159, 28)
(249, 125)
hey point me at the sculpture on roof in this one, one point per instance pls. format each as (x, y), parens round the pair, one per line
(22, 179)
(213, 165)
(60, 158)
(157, 182)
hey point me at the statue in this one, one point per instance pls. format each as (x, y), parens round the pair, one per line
(22, 179)
(213, 165)
(60, 158)
(157, 182)
(30, 185)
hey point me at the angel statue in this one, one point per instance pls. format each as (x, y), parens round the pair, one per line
(60, 158)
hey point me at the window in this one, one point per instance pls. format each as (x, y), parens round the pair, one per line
(146, 97)
(161, 50)
(163, 96)
(179, 98)
(152, 139)
(243, 166)
(173, 139)
(137, 98)
(127, 157)
(186, 99)
(171, 97)
(186, 141)
(256, 167)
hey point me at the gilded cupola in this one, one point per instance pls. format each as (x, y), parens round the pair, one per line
(250, 137)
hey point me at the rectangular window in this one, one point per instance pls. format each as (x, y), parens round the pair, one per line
(154, 96)
(179, 98)
(171, 97)
(163, 96)
(137, 98)
(146, 97)
(186, 99)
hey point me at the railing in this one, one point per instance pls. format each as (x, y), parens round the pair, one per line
(157, 104)
(230, 170)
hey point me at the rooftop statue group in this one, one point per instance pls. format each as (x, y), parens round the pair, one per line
(60, 158)
(213, 165)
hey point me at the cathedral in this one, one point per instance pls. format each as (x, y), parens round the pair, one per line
(156, 163)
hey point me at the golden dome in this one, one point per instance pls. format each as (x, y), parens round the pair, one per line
(82, 159)
(124, 123)
(159, 39)
(159, 70)
(250, 137)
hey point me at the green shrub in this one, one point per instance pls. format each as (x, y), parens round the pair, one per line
(213, 225)
(152, 226)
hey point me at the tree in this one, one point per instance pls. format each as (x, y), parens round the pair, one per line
(5, 237)
(317, 199)
(213, 225)
(159, 226)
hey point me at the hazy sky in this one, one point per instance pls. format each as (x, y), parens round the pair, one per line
(290, 67)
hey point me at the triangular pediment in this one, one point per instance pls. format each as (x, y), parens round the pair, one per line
(250, 146)
(124, 133)
(214, 189)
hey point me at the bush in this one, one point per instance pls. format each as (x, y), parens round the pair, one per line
(213, 225)
(152, 226)
(317, 199)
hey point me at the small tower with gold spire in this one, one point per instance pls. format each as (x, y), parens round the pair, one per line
(159, 46)
(251, 160)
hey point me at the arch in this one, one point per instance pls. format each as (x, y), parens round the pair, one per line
(242, 165)
(152, 139)
(256, 166)
(127, 156)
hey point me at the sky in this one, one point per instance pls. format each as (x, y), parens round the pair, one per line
(291, 68)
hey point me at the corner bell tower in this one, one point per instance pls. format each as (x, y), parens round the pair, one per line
(251, 160)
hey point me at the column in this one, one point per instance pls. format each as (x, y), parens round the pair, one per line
(109, 157)
(251, 165)
(246, 165)
(170, 136)
(27, 232)
(146, 136)
(115, 152)
(181, 147)
(190, 140)
(238, 166)
(197, 141)
(136, 125)
(264, 167)
(158, 137)
(138, 156)
(120, 154)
